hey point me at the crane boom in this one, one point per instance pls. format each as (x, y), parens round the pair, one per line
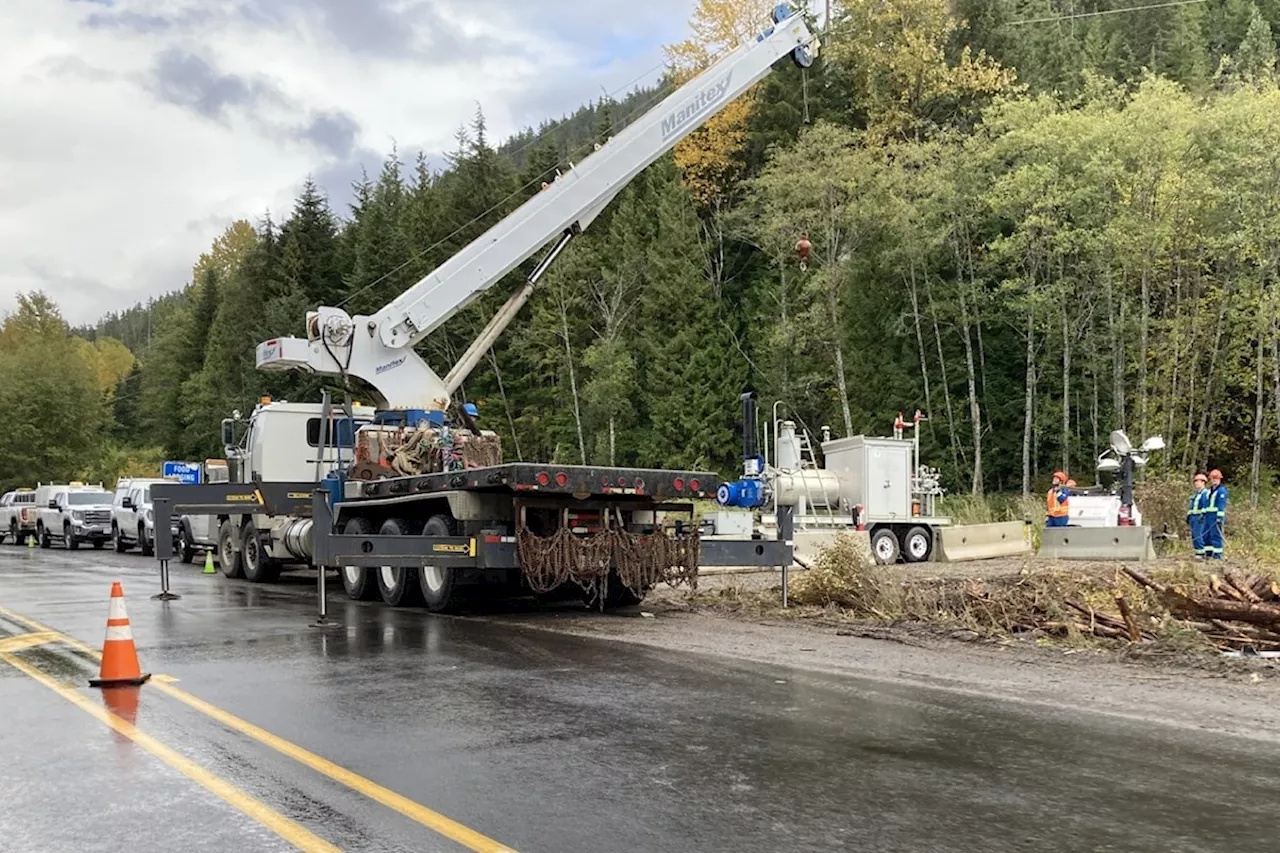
(379, 348)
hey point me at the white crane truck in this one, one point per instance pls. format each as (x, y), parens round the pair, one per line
(438, 536)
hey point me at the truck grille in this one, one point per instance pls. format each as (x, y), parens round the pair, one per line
(97, 516)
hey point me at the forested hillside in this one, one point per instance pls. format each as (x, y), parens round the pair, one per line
(1033, 230)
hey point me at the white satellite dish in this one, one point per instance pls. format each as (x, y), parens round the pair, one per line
(1109, 466)
(1120, 443)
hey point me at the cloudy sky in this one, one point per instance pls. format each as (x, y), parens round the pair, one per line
(135, 130)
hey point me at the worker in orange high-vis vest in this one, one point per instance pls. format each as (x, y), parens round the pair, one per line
(1059, 496)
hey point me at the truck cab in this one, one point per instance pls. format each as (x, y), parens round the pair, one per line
(283, 441)
(73, 514)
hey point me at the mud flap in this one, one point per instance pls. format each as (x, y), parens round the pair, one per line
(1097, 543)
(963, 542)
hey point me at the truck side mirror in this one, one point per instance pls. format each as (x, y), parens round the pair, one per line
(228, 432)
(127, 503)
(53, 504)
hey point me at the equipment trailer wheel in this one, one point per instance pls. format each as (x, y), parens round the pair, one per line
(228, 556)
(121, 545)
(148, 548)
(360, 583)
(258, 566)
(884, 547)
(438, 583)
(917, 545)
(398, 585)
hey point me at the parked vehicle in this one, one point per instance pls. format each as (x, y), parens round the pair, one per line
(199, 533)
(73, 514)
(132, 518)
(18, 515)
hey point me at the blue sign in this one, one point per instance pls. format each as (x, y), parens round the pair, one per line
(187, 473)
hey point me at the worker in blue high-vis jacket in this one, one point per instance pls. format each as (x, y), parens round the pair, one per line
(1197, 508)
(1215, 517)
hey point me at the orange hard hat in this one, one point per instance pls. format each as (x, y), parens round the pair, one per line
(1060, 475)
(1198, 478)
(1215, 474)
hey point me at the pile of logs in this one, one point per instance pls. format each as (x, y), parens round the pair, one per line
(1234, 612)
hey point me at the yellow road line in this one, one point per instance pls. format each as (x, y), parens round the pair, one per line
(433, 820)
(294, 833)
(27, 641)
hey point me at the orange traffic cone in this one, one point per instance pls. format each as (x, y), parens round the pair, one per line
(119, 656)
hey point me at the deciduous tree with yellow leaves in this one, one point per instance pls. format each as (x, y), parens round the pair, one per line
(712, 156)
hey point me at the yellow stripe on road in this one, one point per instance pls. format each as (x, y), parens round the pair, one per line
(27, 641)
(292, 832)
(433, 820)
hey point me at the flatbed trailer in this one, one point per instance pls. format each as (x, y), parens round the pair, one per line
(605, 534)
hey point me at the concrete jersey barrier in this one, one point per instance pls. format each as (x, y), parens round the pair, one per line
(964, 542)
(1097, 543)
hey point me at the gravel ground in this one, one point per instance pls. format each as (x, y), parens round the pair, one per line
(1198, 691)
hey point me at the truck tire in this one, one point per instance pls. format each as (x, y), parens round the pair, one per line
(121, 545)
(228, 557)
(68, 540)
(148, 548)
(884, 546)
(258, 566)
(398, 585)
(438, 583)
(18, 538)
(43, 536)
(186, 551)
(917, 545)
(360, 583)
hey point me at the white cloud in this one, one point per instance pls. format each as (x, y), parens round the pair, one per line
(136, 129)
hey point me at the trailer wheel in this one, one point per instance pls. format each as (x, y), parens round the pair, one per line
(228, 556)
(917, 545)
(397, 584)
(258, 567)
(121, 545)
(438, 582)
(359, 582)
(148, 548)
(884, 546)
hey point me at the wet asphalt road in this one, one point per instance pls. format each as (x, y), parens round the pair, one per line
(546, 742)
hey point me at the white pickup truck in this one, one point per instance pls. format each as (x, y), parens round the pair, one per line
(132, 519)
(73, 514)
(18, 515)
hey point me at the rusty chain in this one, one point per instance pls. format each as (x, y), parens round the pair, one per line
(641, 560)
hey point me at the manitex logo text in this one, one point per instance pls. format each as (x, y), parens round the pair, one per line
(694, 107)
(391, 365)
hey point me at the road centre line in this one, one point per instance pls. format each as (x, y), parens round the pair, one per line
(292, 832)
(460, 833)
(26, 641)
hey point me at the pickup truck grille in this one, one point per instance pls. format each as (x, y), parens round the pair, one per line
(97, 516)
